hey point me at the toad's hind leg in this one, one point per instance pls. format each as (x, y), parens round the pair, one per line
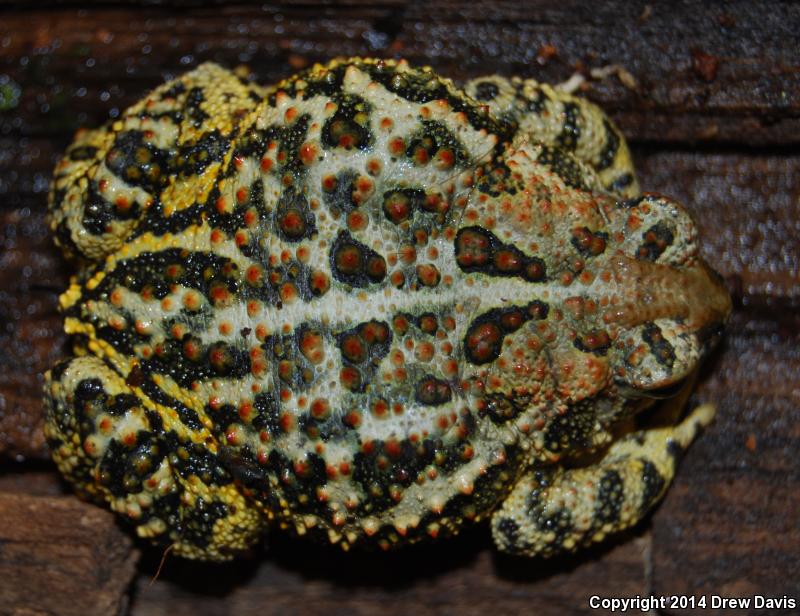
(114, 449)
(552, 511)
(555, 118)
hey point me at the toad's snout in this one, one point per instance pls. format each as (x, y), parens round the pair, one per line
(670, 319)
(668, 306)
(694, 295)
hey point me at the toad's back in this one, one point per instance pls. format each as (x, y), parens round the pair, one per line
(356, 302)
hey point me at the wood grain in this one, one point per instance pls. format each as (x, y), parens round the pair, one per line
(464, 577)
(81, 66)
(710, 96)
(62, 557)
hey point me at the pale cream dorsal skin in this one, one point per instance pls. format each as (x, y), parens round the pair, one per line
(367, 305)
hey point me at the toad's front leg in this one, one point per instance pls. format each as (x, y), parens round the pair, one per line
(160, 158)
(557, 119)
(555, 510)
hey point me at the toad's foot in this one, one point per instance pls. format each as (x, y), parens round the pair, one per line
(550, 511)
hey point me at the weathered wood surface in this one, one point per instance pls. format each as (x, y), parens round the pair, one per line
(713, 109)
(61, 557)
(716, 72)
(464, 577)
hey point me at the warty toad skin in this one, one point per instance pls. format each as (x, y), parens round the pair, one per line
(368, 305)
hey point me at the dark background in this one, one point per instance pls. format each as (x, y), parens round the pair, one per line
(709, 96)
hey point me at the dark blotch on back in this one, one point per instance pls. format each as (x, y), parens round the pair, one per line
(293, 217)
(484, 339)
(431, 391)
(481, 251)
(355, 264)
(348, 127)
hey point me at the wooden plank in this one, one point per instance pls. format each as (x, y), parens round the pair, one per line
(63, 557)
(702, 72)
(31, 479)
(461, 576)
(747, 208)
(32, 339)
(710, 82)
(31, 343)
(730, 524)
